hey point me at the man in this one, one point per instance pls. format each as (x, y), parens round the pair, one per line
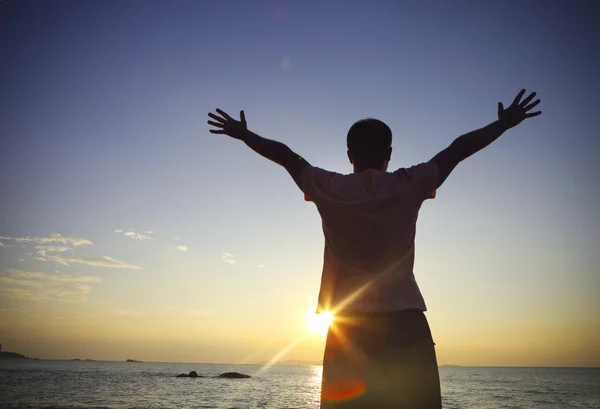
(379, 352)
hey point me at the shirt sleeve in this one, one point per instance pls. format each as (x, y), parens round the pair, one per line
(423, 179)
(314, 182)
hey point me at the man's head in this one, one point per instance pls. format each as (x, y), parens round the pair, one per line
(369, 144)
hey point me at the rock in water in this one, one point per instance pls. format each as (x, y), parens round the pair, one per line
(234, 375)
(192, 374)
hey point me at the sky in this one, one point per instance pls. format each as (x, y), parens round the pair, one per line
(128, 231)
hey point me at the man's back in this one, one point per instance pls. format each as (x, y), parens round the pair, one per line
(381, 354)
(369, 221)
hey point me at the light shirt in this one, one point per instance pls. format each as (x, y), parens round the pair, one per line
(369, 223)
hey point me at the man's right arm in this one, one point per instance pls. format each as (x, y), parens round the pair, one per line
(472, 142)
(465, 146)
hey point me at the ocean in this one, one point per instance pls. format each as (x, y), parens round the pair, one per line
(31, 384)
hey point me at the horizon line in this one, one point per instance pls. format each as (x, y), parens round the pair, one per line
(301, 362)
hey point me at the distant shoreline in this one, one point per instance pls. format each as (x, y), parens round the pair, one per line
(14, 355)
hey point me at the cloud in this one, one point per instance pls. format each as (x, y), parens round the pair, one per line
(99, 261)
(262, 266)
(228, 258)
(175, 238)
(53, 277)
(1, 244)
(18, 293)
(53, 249)
(53, 238)
(63, 287)
(42, 250)
(134, 235)
(24, 283)
(181, 248)
(47, 250)
(21, 259)
(286, 63)
(68, 291)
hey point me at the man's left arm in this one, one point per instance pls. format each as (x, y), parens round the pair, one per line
(272, 150)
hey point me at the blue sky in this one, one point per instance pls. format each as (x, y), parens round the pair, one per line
(103, 128)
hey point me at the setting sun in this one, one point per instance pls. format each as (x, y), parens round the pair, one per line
(319, 323)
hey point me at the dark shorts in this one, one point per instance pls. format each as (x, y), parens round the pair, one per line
(379, 361)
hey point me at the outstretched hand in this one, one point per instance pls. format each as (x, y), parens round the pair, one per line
(518, 111)
(227, 125)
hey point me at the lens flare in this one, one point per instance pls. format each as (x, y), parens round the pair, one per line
(319, 323)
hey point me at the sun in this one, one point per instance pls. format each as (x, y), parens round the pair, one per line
(319, 323)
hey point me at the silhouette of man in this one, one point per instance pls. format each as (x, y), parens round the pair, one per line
(379, 351)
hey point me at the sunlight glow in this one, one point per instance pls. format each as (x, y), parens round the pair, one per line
(319, 323)
(283, 352)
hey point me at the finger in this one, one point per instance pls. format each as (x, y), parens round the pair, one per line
(529, 98)
(532, 114)
(528, 107)
(516, 100)
(224, 114)
(500, 108)
(216, 118)
(219, 131)
(242, 116)
(217, 124)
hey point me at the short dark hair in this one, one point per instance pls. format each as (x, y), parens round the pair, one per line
(369, 141)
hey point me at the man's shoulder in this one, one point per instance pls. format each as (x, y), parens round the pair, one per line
(316, 169)
(419, 170)
(421, 179)
(316, 174)
(319, 183)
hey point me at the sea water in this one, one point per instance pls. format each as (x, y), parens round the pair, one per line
(93, 384)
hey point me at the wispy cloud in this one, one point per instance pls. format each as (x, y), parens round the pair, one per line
(286, 63)
(53, 249)
(18, 293)
(136, 236)
(132, 234)
(41, 285)
(24, 283)
(181, 248)
(228, 258)
(262, 266)
(98, 261)
(68, 291)
(53, 238)
(43, 250)
(52, 277)
(175, 238)
(48, 248)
